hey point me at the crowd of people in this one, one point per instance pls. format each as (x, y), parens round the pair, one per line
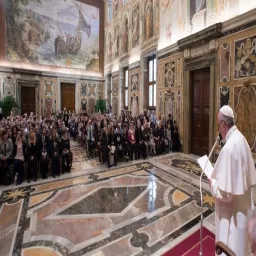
(32, 146)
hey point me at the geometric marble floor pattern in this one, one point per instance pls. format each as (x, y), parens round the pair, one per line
(133, 210)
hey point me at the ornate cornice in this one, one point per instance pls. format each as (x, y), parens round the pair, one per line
(168, 51)
(116, 73)
(239, 21)
(134, 65)
(201, 37)
(48, 74)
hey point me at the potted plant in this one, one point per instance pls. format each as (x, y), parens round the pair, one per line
(7, 104)
(100, 105)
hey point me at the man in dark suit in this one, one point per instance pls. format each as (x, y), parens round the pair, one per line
(44, 153)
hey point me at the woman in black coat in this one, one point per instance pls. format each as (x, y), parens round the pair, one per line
(54, 148)
(32, 156)
(66, 155)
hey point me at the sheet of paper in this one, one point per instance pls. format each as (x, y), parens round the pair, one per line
(206, 165)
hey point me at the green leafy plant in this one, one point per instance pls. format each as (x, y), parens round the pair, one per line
(7, 104)
(101, 105)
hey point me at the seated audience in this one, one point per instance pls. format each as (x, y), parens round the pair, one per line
(66, 155)
(6, 150)
(32, 156)
(19, 152)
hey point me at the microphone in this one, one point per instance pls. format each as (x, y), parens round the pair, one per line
(218, 139)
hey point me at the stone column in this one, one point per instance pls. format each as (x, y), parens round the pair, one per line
(143, 81)
(121, 89)
(108, 89)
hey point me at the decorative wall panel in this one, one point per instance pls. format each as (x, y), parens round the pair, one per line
(245, 57)
(245, 107)
(9, 86)
(115, 95)
(134, 91)
(170, 86)
(225, 62)
(169, 74)
(89, 92)
(49, 95)
(224, 95)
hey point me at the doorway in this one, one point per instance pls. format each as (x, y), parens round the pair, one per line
(28, 99)
(200, 110)
(68, 92)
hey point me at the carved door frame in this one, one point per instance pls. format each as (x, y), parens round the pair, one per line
(29, 83)
(77, 91)
(208, 60)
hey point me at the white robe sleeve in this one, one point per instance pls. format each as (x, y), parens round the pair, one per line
(220, 194)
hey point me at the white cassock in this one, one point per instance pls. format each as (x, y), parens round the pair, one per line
(233, 175)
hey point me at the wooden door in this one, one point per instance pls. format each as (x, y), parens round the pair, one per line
(28, 100)
(68, 96)
(200, 99)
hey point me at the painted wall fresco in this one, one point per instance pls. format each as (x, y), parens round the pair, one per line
(135, 26)
(156, 17)
(117, 42)
(117, 5)
(109, 47)
(125, 35)
(53, 32)
(180, 18)
(148, 16)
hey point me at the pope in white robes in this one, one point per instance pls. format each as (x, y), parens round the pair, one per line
(231, 181)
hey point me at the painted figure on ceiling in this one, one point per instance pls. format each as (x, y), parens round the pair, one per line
(109, 48)
(196, 6)
(125, 35)
(135, 27)
(116, 45)
(117, 4)
(149, 19)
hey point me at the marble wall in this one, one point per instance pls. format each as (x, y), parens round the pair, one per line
(237, 80)
(48, 91)
(187, 36)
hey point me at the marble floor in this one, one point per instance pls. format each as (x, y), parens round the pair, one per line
(137, 208)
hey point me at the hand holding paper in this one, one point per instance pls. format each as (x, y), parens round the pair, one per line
(206, 166)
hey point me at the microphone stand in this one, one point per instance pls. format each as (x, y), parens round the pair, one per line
(201, 194)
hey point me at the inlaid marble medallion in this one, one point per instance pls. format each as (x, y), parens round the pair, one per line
(183, 163)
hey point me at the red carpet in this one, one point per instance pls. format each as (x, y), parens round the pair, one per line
(191, 245)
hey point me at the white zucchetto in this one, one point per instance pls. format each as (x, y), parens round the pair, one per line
(227, 111)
